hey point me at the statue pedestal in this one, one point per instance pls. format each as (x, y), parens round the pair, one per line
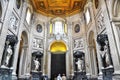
(107, 73)
(36, 75)
(5, 74)
(80, 76)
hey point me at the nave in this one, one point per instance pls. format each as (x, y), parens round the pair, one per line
(46, 39)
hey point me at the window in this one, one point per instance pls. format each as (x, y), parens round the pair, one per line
(87, 16)
(96, 3)
(28, 16)
(58, 27)
(65, 28)
(50, 31)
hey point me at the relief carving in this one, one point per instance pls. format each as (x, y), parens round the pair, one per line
(13, 23)
(100, 22)
(37, 43)
(78, 43)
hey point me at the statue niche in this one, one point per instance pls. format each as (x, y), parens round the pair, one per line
(8, 53)
(36, 64)
(102, 40)
(79, 61)
(36, 61)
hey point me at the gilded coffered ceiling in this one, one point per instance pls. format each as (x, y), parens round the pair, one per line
(58, 7)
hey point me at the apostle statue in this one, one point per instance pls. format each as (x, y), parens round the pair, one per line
(79, 64)
(102, 40)
(9, 53)
(105, 56)
(37, 64)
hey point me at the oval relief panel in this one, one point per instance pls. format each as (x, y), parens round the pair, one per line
(77, 28)
(39, 28)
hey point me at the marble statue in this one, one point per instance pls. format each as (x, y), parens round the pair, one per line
(9, 53)
(105, 56)
(37, 64)
(103, 42)
(79, 64)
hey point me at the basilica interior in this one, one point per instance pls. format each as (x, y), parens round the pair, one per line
(42, 39)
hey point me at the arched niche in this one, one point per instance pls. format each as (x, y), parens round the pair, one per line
(18, 3)
(93, 54)
(116, 8)
(22, 54)
(91, 37)
(96, 3)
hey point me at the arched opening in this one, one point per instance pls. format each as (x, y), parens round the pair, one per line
(116, 8)
(58, 51)
(96, 3)
(22, 54)
(93, 54)
(18, 3)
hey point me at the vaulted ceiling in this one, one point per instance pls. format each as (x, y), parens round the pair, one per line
(58, 7)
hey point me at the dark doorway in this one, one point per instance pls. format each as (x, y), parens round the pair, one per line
(58, 65)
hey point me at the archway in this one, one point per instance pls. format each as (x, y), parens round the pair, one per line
(93, 54)
(58, 58)
(116, 8)
(22, 54)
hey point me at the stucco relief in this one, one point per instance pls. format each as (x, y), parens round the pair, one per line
(78, 43)
(13, 23)
(100, 22)
(37, 43)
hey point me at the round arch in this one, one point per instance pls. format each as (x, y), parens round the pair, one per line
(20, 70)
(58, 57)
(115, 8)
(93, 54)
(58, 46)
(24, 36)
(57, 18)
(91, 37)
